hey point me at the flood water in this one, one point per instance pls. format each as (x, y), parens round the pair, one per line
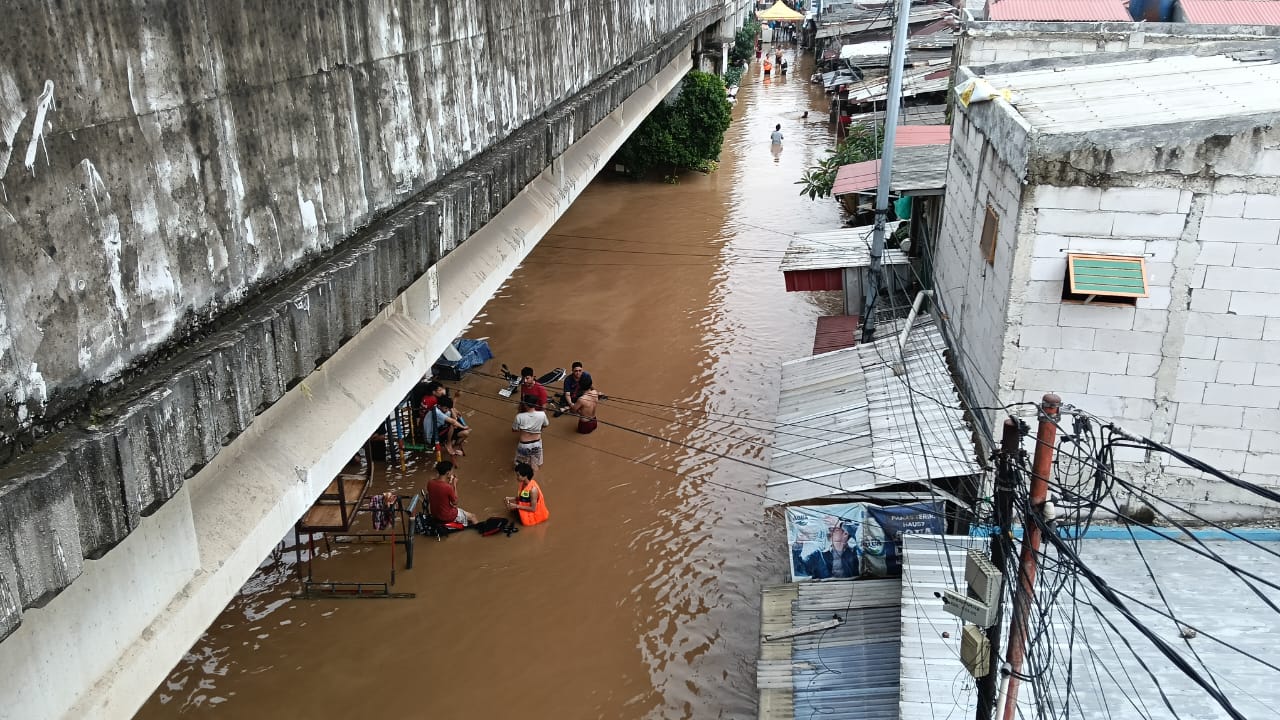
(640, 598)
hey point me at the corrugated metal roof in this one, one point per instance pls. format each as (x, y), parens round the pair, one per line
(932, 76)
(933, 682)
(836, 249)
(844, 673)
(836, 332)
(1060, 10)
(813, 280)
(1232, 12)
(1201, 593)
(915, 115)
(846, 421)
(917, 170)
(1141, 93)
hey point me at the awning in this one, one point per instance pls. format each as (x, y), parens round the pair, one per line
(846, 422)
(780, 12)
(918, 170)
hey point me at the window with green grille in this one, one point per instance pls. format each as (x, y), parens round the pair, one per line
(1113, 278)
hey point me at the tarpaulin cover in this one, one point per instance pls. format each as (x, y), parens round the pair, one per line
(473, 352)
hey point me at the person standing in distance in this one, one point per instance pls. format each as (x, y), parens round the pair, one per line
(776, 137)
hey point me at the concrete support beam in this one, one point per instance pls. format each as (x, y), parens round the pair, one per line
(189, 559)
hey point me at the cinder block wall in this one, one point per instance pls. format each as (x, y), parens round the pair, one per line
(985, 43)
(1194, 364)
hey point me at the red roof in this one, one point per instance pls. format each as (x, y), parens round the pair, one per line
(856, 177)
(814, 279)
(863, 176)
(1232, 12)
(914, 135)
(836, 332)
(1060, 10)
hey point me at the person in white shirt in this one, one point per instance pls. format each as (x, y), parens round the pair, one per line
(776, 137)
(529, 423)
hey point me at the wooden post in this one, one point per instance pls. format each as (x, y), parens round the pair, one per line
(1046, 435)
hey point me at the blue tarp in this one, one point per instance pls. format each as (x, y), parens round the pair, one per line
(474, 352)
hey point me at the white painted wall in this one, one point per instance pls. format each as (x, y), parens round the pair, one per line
(1195, 365)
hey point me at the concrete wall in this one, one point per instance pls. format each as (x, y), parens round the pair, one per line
(79, 491)
(983, 43)
(1190, 365)
(162, 163)
(98, 648)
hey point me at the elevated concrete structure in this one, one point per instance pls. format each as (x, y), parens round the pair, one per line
(277, 221)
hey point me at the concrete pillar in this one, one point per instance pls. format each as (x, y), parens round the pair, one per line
(724, 58)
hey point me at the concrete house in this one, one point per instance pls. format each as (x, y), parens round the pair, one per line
(1112, 233)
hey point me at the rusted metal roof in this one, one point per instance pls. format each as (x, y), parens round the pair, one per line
(1232, 12)
(864, 176)
(1062, 10)
(836, 332)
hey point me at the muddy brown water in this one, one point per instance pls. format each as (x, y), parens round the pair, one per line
(640, 598)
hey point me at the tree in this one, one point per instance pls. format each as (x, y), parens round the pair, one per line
(686, 134)
(744, 43)
(858, 146)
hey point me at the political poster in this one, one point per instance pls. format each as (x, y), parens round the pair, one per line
(824, 540)
(851, 540)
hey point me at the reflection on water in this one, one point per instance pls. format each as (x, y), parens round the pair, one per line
(640, 598)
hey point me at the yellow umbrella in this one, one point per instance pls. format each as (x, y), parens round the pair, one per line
(780, 12)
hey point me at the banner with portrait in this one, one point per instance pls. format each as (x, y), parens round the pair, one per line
(851, 540)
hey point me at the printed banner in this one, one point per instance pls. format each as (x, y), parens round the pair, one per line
(851, 540)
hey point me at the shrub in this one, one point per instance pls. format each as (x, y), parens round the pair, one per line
(683, 135)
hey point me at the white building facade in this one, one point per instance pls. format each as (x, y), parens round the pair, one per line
(1164, 162)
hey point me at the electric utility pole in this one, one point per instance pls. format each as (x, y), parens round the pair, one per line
(896, 63)
(1024, 588)
(1006, 478)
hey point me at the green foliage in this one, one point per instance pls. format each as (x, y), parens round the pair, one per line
(684, 135)
(733, 75)
(744, 43)
(859, 145)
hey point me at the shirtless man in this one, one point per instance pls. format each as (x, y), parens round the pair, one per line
(529, 424)
(585, 406)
